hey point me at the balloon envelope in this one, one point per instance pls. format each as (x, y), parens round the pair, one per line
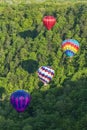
(70, 47)
(49, 22)
(20, 99)
(45, 74)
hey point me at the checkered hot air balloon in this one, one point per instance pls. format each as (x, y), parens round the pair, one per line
(20, 99)
(70, 47)
(49, 21)
(45, 74)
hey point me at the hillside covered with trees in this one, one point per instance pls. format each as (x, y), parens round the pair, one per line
(25, 45)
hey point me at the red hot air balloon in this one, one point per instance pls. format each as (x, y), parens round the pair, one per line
(49, 22)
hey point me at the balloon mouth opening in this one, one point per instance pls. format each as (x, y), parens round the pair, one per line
(45, 84)
(20, 110)
(69, 53)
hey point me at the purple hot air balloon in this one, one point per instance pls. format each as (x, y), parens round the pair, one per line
(20, 99)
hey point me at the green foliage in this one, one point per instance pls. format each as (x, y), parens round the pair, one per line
(25, 45)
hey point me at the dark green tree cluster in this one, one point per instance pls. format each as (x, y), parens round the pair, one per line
(25, 45)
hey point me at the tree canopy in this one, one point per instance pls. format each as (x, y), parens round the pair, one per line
(26, 45)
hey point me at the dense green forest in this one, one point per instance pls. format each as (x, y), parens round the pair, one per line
(25, 45)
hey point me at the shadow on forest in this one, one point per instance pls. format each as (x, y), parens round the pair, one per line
(28, 33)
(40, 84)
(29, 65)
(2, 90)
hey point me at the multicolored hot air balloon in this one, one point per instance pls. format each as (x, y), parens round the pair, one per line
(20, 99)
(45, 74)
(70, 47)
(49, 22)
